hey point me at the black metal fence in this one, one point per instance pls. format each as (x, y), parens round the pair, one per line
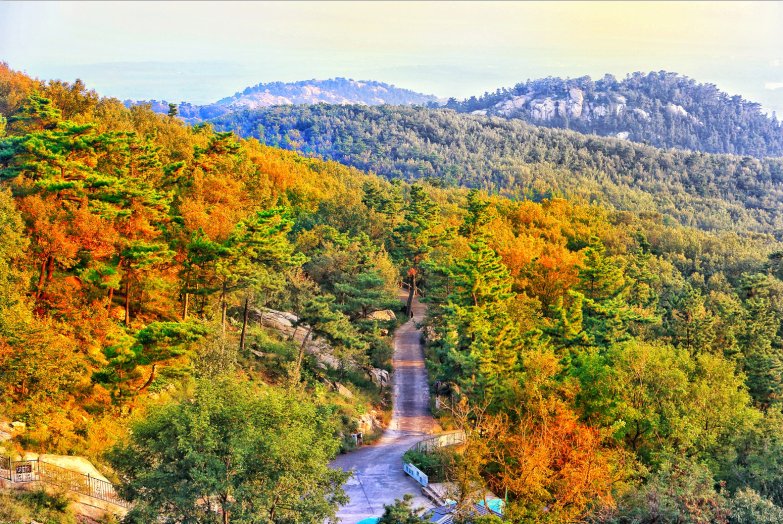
(40, 471)
(79, 482)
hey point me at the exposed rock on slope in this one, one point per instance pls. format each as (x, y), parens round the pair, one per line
(383, 315)
(287, 324)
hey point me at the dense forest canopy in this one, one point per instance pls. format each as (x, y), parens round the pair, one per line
(715, 192)
(608, 364)
(662, 109)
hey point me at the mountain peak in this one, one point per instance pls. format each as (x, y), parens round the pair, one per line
(337, 90)
(661, 108)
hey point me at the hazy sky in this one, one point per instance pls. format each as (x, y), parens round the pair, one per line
(202, 51)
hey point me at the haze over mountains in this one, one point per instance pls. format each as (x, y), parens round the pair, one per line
(661, 109)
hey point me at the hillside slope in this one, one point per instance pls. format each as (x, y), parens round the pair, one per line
(661, 109)
(714, 192)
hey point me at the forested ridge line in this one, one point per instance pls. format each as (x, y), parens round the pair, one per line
(662, 109)
(518, 160)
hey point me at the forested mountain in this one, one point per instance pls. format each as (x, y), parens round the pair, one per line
(607, 366)
(331, 91)
(661, 109)
(520, 160)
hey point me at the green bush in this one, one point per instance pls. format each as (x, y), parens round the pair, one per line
(38, 505)
(434, 464)
(748, 507)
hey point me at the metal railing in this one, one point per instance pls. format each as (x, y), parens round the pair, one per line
(439, 441)
(416, 474)
(40, 471)
(79, 482)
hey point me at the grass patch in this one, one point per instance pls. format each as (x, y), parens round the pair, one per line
(21, 507)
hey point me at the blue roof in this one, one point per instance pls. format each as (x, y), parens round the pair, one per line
(496, 505)
(369, 520)
(442, 514)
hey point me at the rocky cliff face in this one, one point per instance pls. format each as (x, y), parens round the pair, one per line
(570, 105)
(287, 324)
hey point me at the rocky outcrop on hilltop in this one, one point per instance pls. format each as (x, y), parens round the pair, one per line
(571, 105)
(661, 109)
(332, 91)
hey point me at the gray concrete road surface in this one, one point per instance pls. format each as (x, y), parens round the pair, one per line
(378, 478)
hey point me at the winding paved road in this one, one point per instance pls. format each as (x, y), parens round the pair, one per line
(377, 469)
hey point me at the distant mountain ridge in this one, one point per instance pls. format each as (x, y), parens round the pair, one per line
(521, 160)
(331, 91)
(339, 90)
(661, 109)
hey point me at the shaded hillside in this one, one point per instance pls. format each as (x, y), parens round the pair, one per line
(515, 158)
(661, 109)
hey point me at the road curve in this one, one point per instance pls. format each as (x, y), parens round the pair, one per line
(377, 469)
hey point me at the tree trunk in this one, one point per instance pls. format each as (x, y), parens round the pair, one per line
(149, 380)
(411, 294)
(111, 299)
(42, 279)
(223, 307)
(127, 303)
(245, 315)
(198, 300)
(50, 269)
(301, 354)
(185, 306)
(227, 493)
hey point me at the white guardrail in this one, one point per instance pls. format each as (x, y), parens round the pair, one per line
(417, 474)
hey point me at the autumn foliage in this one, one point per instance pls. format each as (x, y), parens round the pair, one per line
(599, 360)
